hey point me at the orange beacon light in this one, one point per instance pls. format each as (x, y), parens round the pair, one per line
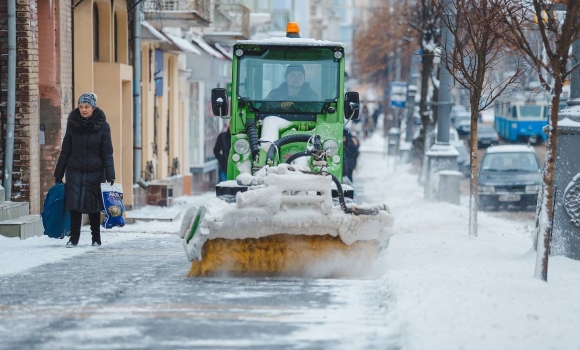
(292, 30)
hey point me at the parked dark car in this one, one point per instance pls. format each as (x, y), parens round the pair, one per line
(486, 136)
(462, 122)
(509, 176)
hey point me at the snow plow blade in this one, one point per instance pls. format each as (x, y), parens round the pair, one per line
(289, 225)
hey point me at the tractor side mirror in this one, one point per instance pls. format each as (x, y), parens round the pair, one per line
(219, 102)
(351, 105)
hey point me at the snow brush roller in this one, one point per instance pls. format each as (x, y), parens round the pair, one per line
(289, 225)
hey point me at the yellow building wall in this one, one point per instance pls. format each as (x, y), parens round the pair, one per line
(113, 85)
(176, 116)
(147, 105)
(162, 138)
(170, 142)
(83, 49)
(184, 125)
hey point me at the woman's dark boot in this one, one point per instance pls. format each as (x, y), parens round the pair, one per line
(76, 219)
(95, 221)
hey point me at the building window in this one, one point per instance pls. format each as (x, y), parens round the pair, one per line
(95, 33)
(115, 37)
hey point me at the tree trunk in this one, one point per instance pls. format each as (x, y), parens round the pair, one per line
(427, 68)
(473, 164)
(547, 211)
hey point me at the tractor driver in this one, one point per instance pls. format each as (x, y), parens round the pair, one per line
(293, 89)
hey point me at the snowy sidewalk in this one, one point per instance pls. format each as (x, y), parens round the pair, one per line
(452, 291)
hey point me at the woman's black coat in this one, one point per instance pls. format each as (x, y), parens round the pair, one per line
(87, 157)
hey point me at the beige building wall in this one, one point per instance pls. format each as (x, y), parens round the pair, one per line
(164, 117)
(109, 76)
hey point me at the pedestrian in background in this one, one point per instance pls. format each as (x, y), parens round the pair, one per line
(368, 124)
(221, 151)
(350, 154)
(86, 158)
(375, 116)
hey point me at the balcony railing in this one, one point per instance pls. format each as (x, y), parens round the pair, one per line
(232, 18)
(177, 13)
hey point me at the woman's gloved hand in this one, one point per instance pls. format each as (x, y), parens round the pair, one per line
(57, 181)
(111, 181)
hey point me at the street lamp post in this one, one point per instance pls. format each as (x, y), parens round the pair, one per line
(442, 155)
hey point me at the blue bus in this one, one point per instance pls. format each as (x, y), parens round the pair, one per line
(521, 120)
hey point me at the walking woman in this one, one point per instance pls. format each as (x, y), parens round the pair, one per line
(86, 158)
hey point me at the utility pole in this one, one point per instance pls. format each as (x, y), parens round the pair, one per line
(137, 120)
(11, 103)
(442, 155)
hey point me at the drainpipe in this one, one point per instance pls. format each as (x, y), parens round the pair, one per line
(72, 38)
(137, 144)
(11, 109)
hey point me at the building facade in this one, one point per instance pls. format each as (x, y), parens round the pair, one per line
(64, 51)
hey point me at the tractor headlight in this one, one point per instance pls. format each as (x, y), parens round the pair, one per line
(239, 52)
(241, 146)
(337, 55)
(331, 147)
(486, 189)
(533, 188)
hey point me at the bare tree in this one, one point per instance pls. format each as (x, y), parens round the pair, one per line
(376, 40)
(477, 52)
(388, 27)
(556, 31)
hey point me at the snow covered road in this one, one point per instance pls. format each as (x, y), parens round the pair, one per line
(133, 295)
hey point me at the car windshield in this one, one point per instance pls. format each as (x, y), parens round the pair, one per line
(266, 79)
(457, 109)
(463, 116)
(510, 161)
(485, 130)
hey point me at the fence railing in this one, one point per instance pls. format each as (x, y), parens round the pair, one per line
(178, 10)
(231, 18)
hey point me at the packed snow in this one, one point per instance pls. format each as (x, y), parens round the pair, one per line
(444, 289)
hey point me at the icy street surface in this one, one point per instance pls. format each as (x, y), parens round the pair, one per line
(133, 295)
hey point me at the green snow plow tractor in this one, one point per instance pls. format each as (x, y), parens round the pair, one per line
(284, 209)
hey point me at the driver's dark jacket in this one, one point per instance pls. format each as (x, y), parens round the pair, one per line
(281, 94)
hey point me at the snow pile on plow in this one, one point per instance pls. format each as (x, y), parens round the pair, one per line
(284, 224)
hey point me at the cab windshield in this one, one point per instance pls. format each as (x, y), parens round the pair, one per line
(289, 79)
(510, 162)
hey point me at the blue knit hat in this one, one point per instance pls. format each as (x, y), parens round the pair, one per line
(294, 68)
(89, 98)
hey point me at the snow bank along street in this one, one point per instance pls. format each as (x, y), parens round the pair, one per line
(438, 289)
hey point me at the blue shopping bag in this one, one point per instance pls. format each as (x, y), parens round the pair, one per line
(55, 217)
(113, 214)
